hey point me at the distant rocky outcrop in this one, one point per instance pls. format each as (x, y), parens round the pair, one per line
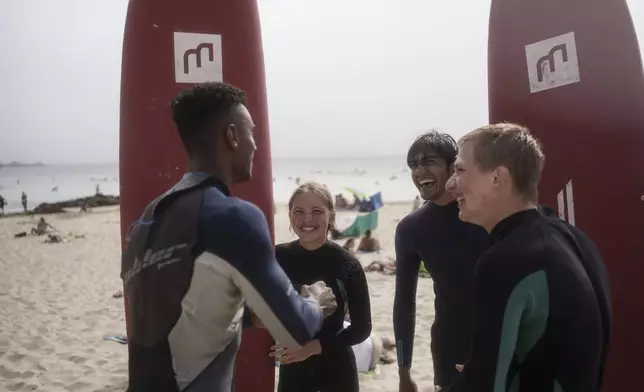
(20, 164)
(90, 202)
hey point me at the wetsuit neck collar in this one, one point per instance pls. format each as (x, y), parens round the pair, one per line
(200, 177)
(451, 205)
(505, 227)
(299, 245)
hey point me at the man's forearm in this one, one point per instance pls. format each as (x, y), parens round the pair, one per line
(404, 329)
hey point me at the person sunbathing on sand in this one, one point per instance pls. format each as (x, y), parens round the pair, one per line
(388, 267)
(372, 351)
(350, 245)
(42, 227)
(368, 243)
(55, 239)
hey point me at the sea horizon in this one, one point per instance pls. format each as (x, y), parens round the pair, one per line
(59, 181)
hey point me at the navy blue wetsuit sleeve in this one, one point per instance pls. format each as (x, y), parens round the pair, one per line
(407, 270)
(240, 237)
(357, 294)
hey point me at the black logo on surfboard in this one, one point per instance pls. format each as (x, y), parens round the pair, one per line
(550, 59)
(197, 52)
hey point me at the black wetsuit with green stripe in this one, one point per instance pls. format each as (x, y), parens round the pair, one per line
(543, 318)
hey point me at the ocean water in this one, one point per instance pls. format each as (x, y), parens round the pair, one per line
(51, 183)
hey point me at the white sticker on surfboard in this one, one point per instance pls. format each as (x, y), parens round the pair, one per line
(566, 204)
(197, 58)
(552, 63)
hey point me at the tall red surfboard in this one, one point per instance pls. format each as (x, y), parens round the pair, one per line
(168, 46)
(572, 72)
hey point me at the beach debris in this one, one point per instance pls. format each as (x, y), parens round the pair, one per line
(118, 294)
(121, 339)
(55, 239)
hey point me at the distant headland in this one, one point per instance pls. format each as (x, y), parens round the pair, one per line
(20, 164)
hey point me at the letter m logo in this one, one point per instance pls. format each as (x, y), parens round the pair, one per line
(197, 52)
(197, 58)
(552, 63)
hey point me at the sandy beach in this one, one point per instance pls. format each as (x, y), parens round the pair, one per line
(56, 305)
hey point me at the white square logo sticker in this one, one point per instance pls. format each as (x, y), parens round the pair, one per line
(197, 58)
(552, 63)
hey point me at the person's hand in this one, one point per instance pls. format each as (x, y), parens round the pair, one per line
(323, 294)
(460, 367)
(405, 383)
(292, 355)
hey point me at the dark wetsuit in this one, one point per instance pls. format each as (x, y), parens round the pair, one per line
(449, 249)
(334, 370)
(543, 316)
(191, 261)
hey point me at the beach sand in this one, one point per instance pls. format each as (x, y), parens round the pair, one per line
(56, 305)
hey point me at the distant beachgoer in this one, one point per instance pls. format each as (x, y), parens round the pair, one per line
(55, 239)
(327, 363)
(372, 351)
(356, 202)
(335, 233)
(368, 243)
(24, 201)
(350, 244)
(341, 202)
(3, 202)
(387, 267)
(98, 189)
(416, 204)
(42, 227)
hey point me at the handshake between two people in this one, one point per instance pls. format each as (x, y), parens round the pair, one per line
(325, 299)
(319, 292)
(324, 296)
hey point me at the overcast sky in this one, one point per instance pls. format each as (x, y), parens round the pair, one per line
(391, 89)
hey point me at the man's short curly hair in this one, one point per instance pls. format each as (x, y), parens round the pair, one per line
(196, 108)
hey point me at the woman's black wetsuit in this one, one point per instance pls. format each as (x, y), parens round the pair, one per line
(334, 369)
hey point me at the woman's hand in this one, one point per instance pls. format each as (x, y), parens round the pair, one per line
(292, 355)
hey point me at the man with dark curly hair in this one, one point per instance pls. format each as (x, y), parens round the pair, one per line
(197, 255)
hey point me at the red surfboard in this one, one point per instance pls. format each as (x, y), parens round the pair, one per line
(571, 71)
(168, 46)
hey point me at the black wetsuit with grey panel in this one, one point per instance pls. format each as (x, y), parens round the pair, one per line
(543, 313)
